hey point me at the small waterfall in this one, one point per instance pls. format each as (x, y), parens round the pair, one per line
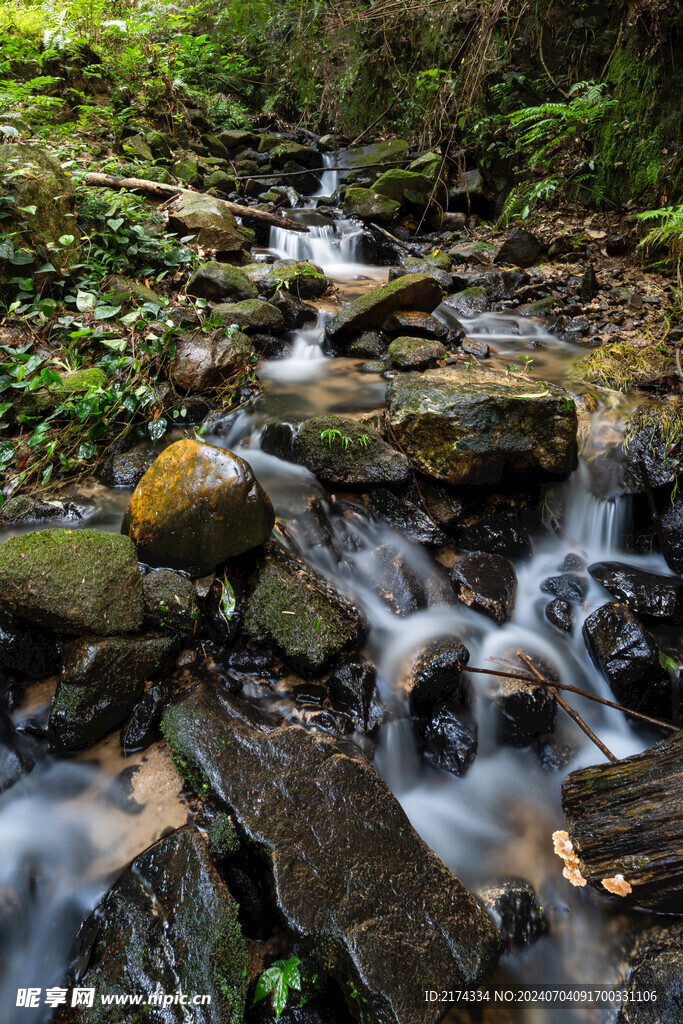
(329, 180)
(328, 245)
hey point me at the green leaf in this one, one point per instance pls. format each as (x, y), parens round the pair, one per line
(268, 979)
(87, 450)
(85, 301)
(157, 428)
(291, 973)
(66, 239)
(28, 209)
(117, 344)
(47, 268)
(6, 250)
(106, 312)
(6, 453)
(115, 223)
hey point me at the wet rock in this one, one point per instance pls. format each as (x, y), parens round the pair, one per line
(513, 906)
(295, 312)
(74, 581)
(297, 611)
(209, 221)
(589, 284)
(469, 184)
(298, 796)
(25, 653)
(303, 279)
(572, 562)
(412, 323)
(221, 282)
(498, 537)
(25, 508)
(524, 711)
(404, 186)
(102, 679)
(170, 601)
(498, 284)
(434, 677)
(370, 345)
(148, 937)
(413, 292)
(13, 765)
(648, 594)
(143, 726)
(671, 526)
(474, 427)
(353, 687)
(196, 506)
(251, 315)
(220, 181)
(628, 656)
(127, 468)
(376, 153)
(450, 739)
(468, 302)
(476, 347)
(417, 265)
(409, 517)
(520, 248)
(568, 586)
(367, 204)
(396, 581)
(443, 507)
(207, 359)
(655, 964)
(560, 614)
(339, 450)
(415, 353)
(486, 583)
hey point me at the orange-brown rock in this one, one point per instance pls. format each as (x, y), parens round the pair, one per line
(196, 506)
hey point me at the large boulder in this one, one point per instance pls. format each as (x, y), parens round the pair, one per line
(209, 221)
(408, 353)
(294, 609)
(251, 315)
(206, 359)
(413, 292)
(219, 282)
(487, 584)
(168, 924)
(628, 656)
(648, 594)
(376, 900)
(476, 426)
(339, 450)
(370, 205)
(48, 198)
(102, 680)
(520, 248)
(404, 186)
(375, 153)
(300, 278)
(196, 506)
(25, 653)
(74, 581)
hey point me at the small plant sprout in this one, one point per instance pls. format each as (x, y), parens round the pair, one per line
(363, 440)
(279, 979)
(332, 433)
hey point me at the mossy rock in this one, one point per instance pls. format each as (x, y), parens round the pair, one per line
(404, 186)
(267, 141)
(137, 148)
(102, 680)
(415, 353)
(196, 506)
(293, 608)
(170, 601)
(74, 581)
(223, 839)
(368, 204)
(251, 315)
(428, 165)
(437, 258)
(476, 426)
(221, 181)
(215, 147)
(159, 145)
(207, 359)
(623, 367)
(187, 169)
(419, 292)
(376, 153)
(339, 450)
(75, 382)
(209, 221)
(169, 923)
(303, 155)
(302, 279)
(220, 282)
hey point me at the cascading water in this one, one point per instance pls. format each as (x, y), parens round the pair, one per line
(330, 245)
(329, 179)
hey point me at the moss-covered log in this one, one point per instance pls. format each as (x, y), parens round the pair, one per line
(626, 819)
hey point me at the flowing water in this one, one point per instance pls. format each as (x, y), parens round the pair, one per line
(59, 839)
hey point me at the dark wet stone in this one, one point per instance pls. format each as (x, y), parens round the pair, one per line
(560, 614)
(520, 248)
(444, 508)
(26, 508)
(277, 438)
(142, 728)
(655, 964)
(568, 586)
(396, 581)
(303, 800)
(297, 611)
(339, 450)
(127, 468)
(450, 739)
(647, 594)
(337, 723)
(415, 265)
(628, 656)
(353, 687)
(409, 517)
(295, 312)
(476, 347)
(486, 583)
(170, 601)
(555, 755)
(408, 353)
(369, 345)
(26, 653)
(15, 761)
(221, 282)
(572, 562)
(435, 676)
(149, 936)
(412, 292)
(498, 537)
(469, 301)
(102, 680)
(415, 324)
(251, 663)
(513, 906)
(671, 525)
(524, 711)
(309, 693)
(589, 284)
(499, 284)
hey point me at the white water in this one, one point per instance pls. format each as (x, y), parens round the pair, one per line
(329, 180)
(332, 246)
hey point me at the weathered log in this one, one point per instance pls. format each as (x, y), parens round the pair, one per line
(158, 189)
(625, 820)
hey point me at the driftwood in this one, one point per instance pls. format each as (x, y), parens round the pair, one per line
(626, 819)
(158, 189)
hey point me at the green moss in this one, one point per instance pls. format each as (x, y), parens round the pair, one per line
(223, 838)
(623, 367)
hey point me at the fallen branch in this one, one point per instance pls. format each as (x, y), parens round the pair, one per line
(625, 823)
(161, 190)
(414, 250)
(316, 170)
